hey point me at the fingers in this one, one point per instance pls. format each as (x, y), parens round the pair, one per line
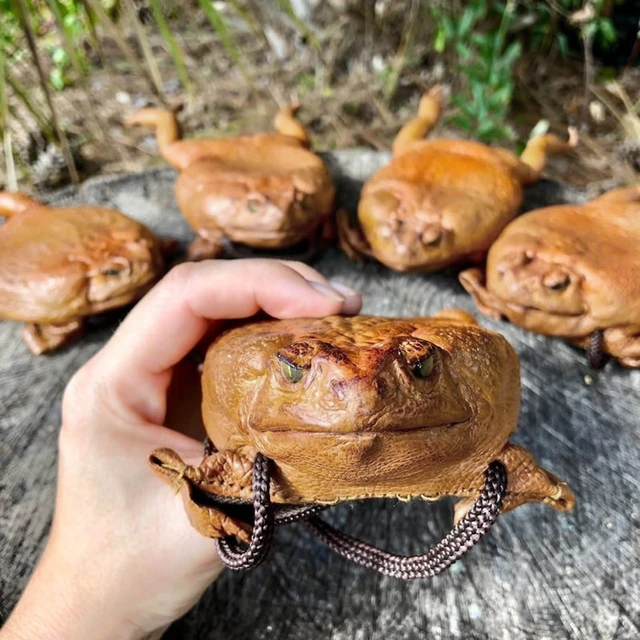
(173, 317)
(353, 300)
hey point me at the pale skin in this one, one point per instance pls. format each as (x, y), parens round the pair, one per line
(122, 563)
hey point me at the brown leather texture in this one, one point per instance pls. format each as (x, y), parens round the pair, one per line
(568, 271)
(361, 407)
(438, 203)
(60, 264)
(266, 191)
(290, 187)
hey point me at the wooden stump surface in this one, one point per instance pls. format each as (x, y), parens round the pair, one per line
(538, 574)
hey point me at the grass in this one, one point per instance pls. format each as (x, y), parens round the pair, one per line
(359, 73)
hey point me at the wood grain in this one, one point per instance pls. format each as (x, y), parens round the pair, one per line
(538, 574)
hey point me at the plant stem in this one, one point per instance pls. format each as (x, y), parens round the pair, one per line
(145, 45)
(65, 38)
(400, 61)
(12, 180)
(220, 27)
(23, 18)
(174, 49)
(128, 53)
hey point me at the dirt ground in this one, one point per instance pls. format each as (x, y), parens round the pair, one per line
(341, 83)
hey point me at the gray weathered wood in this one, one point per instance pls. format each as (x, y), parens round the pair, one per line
(539, 574)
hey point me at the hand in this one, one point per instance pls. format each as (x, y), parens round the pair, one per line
(122, 560)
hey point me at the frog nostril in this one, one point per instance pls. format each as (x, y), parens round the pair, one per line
(431, 236)
(556, 281)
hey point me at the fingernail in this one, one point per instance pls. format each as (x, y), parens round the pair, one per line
(347, 292)
(327, 291)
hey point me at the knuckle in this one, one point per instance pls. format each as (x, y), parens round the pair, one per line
(179, 274)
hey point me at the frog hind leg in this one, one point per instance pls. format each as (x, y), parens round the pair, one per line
(207, 247)
(351, 240)
(12, 203)
(534, 157)
(43, 338)
(165, 124)
(527, 482)
(287, 124)
(220, 474)
(428, 115)
(473, 280)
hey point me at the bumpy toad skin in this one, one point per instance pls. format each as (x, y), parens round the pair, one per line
(569, 271)
(266, 191)
(362, 407)
(441, 202)
(59, 265)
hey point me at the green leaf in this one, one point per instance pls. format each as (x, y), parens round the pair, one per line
(59, 56)
(221, 28)
(172, 45)
(501, 96)
(462, 50)
(440, 40)
(463, 123)
(466, 21)
(511, 54)
(56, 77)
(607, 31)
(448, 26)
(563, 44)
(465, 105)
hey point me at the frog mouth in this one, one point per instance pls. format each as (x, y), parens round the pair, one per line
(520, 308)
(315, 431)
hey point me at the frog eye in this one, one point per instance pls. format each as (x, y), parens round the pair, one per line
(291, 372)
(305, 203)
(253, 205)
(557, 281)
(112, 272)
(425, 367)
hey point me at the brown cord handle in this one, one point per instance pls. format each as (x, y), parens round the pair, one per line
(470, 530)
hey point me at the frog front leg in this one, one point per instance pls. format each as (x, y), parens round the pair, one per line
(351, 240)
(42, 338)
(206, 247)
(622, 343)
(473, 280)
(220, 475)
(527, 482)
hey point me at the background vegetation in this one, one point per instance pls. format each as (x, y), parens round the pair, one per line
(70, 69)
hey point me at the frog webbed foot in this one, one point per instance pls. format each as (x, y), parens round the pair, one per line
(43, 338)
(351, 240)
(206, 248)
(527, 482)
(473, 280)
(208, 490)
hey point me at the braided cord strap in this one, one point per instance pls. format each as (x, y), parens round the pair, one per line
(229, 549)
(596, 356)
(456, 543)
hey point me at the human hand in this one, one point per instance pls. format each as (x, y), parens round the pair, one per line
(122, 560)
